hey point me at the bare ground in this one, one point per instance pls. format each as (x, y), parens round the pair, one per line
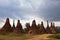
(40, 37)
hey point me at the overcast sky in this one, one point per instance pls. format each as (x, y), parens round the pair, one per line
(27, 10)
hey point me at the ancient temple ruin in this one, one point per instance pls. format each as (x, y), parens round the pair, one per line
(7, 27)
(33, 28)
(26, 30)
(52, 28)
(18, 28)
(48, 28)
(42, 29)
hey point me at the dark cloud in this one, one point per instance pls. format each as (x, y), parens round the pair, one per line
(19, 9)
(50, 10)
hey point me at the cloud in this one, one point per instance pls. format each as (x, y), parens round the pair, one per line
(50, 10)
(27, 10)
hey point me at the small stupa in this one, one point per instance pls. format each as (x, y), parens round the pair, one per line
(42, 29)
(33, 28)
(18, 28)
(7, 27)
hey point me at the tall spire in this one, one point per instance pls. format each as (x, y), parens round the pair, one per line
(13, 24)
(42, 29)
(51, 24)
(52, 28)
(48, 28)
(47, 24)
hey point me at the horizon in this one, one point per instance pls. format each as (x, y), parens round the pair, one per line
(23, 23)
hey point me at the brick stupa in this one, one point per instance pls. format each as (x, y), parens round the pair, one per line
(33, 28)
(52, 28)
(26, 30)
(7, 27)
(18, 28)
(42, 29)
(13, 25)
(48, 28)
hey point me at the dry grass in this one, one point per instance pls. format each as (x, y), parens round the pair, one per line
(14, 36)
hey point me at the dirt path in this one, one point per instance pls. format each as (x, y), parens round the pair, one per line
(40, 37)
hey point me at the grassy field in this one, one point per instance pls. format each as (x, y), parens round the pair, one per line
(54, 37)
(14, 36)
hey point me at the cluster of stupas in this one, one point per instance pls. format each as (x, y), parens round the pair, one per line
(33, 29)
